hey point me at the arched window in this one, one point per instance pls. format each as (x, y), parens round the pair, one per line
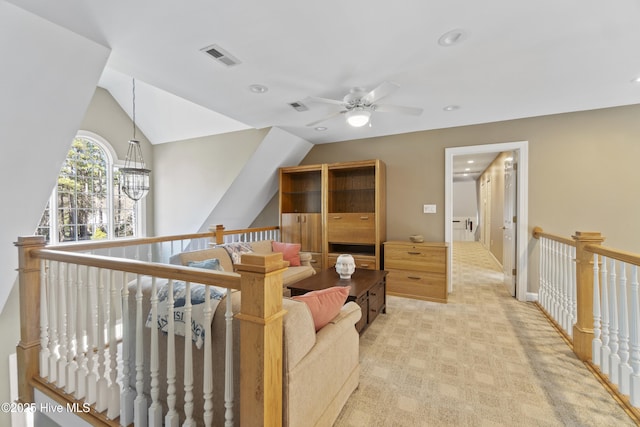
(88, 203)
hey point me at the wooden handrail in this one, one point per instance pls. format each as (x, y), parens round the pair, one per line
(106, 244)
(538, 233)
(168, 271)
(628, 257)
(218, 232)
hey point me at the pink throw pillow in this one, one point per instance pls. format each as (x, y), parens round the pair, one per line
(290, 252)
(325, 304)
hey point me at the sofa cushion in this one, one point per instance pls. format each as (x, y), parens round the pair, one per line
(204, 254)
(325, 304)
(262, 246)
(208, 264)
(236, 250)
(293, 274)
(290, 252)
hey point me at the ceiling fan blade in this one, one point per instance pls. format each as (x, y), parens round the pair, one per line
(324, 100)
(386, 108)
(326, 118)
(384, 89)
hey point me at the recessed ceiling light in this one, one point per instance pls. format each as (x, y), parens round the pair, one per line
(451, 107)
(451, 38)
(258, 88)
(467, 169)
(470, 161)
(320, 128)
(636, 80)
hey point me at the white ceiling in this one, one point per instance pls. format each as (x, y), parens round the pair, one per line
(516, 59)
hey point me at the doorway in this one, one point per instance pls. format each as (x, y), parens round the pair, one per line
(520, 150)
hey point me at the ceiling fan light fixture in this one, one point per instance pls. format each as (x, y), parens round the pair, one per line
(358, 117)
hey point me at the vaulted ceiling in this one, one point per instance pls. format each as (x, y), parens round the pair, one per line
(511, 60)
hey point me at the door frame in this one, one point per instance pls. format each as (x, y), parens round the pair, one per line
(522, 179)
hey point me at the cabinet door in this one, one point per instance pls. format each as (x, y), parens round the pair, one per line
(352, 227)
(290, 228)
(311, 232)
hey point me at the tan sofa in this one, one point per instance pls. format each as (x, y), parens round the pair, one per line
(291, 275)
(320, 369)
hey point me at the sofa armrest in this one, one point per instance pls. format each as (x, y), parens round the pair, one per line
(347, 318)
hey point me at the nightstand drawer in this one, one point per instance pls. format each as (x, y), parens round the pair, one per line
(407, 257)
(417, 284)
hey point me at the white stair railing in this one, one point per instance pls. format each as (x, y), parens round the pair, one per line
(616, 343)
(557, 294)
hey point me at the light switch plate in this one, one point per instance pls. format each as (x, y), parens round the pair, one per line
(429, 208)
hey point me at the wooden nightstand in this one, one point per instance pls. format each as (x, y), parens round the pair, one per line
(416, 270)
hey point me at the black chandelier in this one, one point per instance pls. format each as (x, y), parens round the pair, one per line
(135, 176)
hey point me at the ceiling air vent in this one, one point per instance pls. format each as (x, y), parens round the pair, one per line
(221, 55)
(299, 106)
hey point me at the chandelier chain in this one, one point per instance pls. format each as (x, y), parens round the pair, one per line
(133, 116)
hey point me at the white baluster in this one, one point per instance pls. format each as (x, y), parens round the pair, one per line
(63, 277)
(228, 362)
(604, 306)
(574, 289)
(128, 394)
(566, 320)
(614, 357)
(596, 344)
(114, 388)
(557, 305)
(634, 386)
(44, 319)
(81, 333)
(207, 386)
(92, 377)
(171, 419)
(102, 399)
(140, 403)
(188, 361)
(72, 340)
(155, 410)
(543, 291)
(53, 322)
(624, 369)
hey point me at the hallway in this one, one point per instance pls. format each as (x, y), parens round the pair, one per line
(483, 359)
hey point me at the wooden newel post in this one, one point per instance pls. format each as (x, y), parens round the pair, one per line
(261, 360)
(219, 234)
(583, 328)
(28, 349)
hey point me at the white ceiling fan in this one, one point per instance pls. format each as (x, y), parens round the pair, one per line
(358, 105)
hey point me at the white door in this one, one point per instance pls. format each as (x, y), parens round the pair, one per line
(509, 235)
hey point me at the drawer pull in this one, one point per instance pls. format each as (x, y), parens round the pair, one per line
(364, 218)
(413, 277)
(373, 310)
(414, 253)
(373, 294)
(313, 261)
(337, 217)
(364, 265)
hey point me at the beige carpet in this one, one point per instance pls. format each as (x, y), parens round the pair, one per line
(483, 359)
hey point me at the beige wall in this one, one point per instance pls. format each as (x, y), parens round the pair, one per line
(581, 172)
